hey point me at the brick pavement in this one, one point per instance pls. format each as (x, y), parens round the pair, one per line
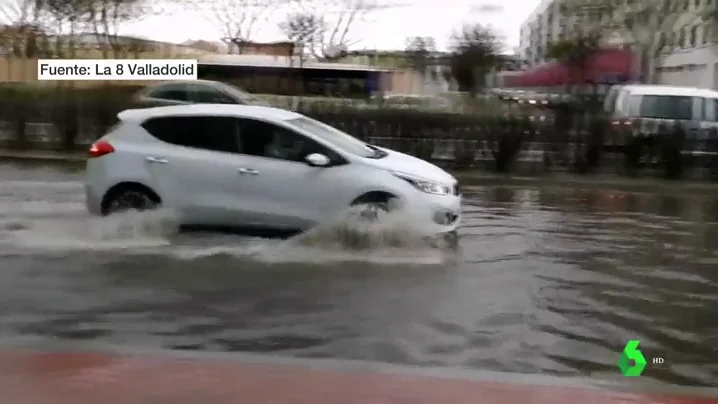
(98, 378)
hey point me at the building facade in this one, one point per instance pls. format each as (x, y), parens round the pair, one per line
(545, 24)
(688, 52)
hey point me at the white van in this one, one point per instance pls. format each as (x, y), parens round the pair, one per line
(642, 109)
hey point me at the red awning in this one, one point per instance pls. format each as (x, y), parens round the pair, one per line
(608, 62)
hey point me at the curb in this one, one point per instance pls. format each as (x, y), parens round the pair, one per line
(87, 376)
(50, 157)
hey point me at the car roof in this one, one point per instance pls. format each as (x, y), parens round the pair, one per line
(638, 89)
(218, 85)
(198, 81)
(249, 111)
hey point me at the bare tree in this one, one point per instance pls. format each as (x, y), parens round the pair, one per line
(586, 24)
(338, 23)
(17, 12)
(64, 18)
(648, 24)
(302, 30)
(21, 29)
(418, 52)
(237, 19)
(107, 16)
(475, 52)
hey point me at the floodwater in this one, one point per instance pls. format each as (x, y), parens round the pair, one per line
(545, 281)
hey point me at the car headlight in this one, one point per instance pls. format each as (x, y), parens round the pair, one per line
(427, 186)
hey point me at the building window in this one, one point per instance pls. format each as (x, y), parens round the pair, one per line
(706, 34)
(694, 34)
(663, 41)
(682, 38)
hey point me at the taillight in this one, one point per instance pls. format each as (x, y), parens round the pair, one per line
(621, 122)
(100, 148)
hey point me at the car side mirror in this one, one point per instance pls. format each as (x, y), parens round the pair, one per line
(317, 160)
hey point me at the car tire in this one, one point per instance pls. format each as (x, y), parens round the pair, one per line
(130, 199)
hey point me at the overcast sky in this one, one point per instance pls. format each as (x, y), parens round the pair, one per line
(384, 29)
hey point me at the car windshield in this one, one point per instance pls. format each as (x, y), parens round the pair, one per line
(336, 137)
(666, 107)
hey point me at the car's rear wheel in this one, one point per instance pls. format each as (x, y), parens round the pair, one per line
(129, 199)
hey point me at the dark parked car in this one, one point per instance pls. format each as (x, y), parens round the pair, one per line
(194, 92)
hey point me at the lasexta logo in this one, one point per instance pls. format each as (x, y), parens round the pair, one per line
(631, 353)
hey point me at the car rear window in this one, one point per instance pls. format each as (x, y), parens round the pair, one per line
(666, 107)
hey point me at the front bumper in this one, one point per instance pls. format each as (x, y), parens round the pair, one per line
(442, 212)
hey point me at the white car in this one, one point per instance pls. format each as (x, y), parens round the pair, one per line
(253, 166)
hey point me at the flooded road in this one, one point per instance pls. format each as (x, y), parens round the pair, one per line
(546, 281)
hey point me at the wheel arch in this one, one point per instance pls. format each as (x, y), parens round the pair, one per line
(123, 186)
(374, 197)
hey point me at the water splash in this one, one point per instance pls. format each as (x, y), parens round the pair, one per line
(392, 238)
(389, 238)
(129, 230)
(38, 217)
(353, 231)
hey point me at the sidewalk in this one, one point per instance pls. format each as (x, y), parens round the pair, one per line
(28, 377)
(42, 156)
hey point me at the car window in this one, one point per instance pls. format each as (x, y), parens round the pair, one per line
(710, 111)
(333, 136)
(210, 95)
(699, 112)
(172, 92)
(264, 139)
(666, 107)
(215, 133)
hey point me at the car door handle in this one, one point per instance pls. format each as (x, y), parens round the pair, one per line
(156, 160)
(249, 171)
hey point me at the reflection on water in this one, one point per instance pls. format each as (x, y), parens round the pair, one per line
(608, 266)
(545, 281)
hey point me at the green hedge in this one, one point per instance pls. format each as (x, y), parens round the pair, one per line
(97, 107)
(76, 116)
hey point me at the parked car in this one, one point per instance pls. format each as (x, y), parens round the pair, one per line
(194, 92)
(412, 101)
(252, 166)
(642, 109)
